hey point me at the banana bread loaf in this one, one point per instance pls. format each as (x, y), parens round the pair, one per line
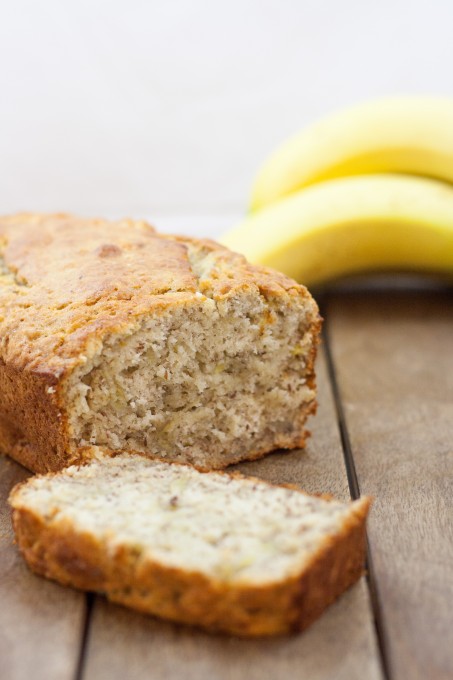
(228, 553)
(114, 337)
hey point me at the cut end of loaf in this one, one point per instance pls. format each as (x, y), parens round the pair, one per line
(228, 553)
(209, 381)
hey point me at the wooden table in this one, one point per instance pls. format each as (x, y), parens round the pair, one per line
(384, 427)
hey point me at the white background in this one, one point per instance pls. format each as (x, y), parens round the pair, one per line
(167, 108)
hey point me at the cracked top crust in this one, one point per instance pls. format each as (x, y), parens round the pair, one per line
(66, 282)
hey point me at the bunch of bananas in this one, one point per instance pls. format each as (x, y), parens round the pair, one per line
(367, 189)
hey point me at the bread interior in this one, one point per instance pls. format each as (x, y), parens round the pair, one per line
(205, 381)
(230, 529)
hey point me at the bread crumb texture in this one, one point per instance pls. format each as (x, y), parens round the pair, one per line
(117, 337)
(225, 552)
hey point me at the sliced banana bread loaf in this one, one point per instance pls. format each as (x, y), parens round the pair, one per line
(228, 553)
(117, 337)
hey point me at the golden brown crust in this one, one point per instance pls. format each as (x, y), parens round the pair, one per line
(57, 551)
(29, 412)
(66, 283)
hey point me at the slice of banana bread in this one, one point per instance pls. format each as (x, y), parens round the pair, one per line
(228, 553)
(116, 337)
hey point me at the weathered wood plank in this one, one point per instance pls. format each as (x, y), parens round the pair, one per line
(340, 645)
(40, 622)
(393, 357)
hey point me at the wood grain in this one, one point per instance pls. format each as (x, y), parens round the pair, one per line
(40, 622)
(340, 645)
(393, 357)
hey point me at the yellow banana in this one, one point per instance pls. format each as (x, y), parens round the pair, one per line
(412, 135)
(353, 224)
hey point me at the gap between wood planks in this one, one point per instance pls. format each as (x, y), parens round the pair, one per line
(354, 489)
(84, 641)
